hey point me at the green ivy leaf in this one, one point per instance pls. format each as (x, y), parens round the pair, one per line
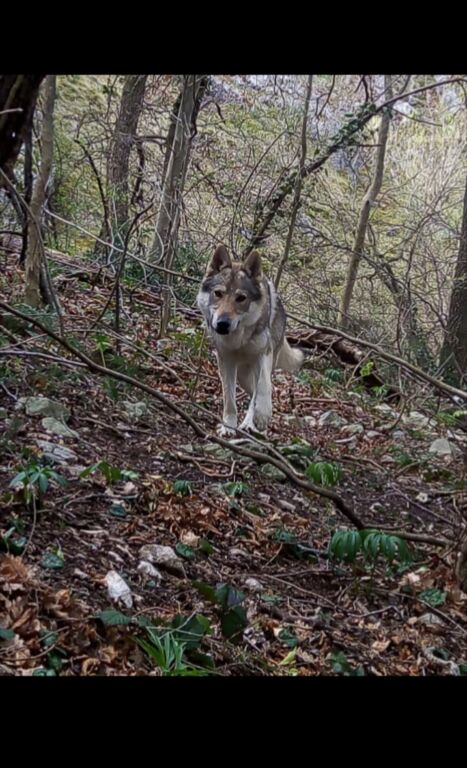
(228, 597)
(52, 560)
(111, 618)
(185, 551)
(233, 622)
(118, 510)
(206, 590)
(433, 597)
(7, 634)
(191, 629)
(205, 547)
(288, 637)
(42, 672)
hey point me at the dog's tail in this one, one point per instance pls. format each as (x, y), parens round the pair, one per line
(289, 359)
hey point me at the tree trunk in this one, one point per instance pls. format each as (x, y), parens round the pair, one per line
(454, 351)
(176, 163)
(35, 267)
(170, 136)
(28, 180)
(368, 201)
(298, 184)
(17, 92)
(117, 201)
(414, 346)
(181, 133)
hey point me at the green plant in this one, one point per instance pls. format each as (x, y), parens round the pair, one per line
(175, 649)
(298, 452)
(449, 419)
(334, 374)
(114, 389)
(367, 368)
(433, 597)
(103, 345)
(369, 545)
(33, 481)
(238, 488)
(341, 665)
(182, 487)
(380, 392)
(402, 457)
(11, 543)
(324, 472)
(111, 473)
(316, 387)
(53, 559)
(233, 614)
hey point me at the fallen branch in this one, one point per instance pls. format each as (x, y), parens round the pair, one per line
(423, 538)
(436, 383)
(347, 353)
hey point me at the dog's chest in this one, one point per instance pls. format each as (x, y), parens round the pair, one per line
(243, 344)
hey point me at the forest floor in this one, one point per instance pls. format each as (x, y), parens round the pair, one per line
(247, 586)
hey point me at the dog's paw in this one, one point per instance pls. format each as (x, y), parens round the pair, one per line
(260, 421)
(248, 425)
(224, 431)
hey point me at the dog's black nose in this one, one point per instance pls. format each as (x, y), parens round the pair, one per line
(223, 325)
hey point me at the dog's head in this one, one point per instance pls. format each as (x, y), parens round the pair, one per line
(231, 291)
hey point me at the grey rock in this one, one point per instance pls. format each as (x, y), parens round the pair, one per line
(149, 570)
(417, 420)
(272, 472)
(353, 429)
(212, 449)
(254, 585)
(331, 419)
(286, 505)
(55, 453)
(237, 552)
(442, 447)
(135, 411)
(385, 410)
(430, 620)
(43, 406)
(117, 589)
(371, 434)
(166, 557)
(57, 427)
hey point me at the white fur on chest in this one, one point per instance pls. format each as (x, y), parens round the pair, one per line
(242, 342)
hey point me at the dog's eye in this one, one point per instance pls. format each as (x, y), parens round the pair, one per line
(240, 298)
(218, 294)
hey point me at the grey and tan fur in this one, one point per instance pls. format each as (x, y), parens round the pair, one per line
(246, 321)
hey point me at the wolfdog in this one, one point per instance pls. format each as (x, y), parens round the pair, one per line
(246, 320)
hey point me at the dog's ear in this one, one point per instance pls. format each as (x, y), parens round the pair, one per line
(220, 260)
(252, 264)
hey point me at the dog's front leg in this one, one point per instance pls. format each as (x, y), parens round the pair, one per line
(260, 408)
(228, 373)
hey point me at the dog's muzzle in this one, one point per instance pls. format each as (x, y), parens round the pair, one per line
(222, 325)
